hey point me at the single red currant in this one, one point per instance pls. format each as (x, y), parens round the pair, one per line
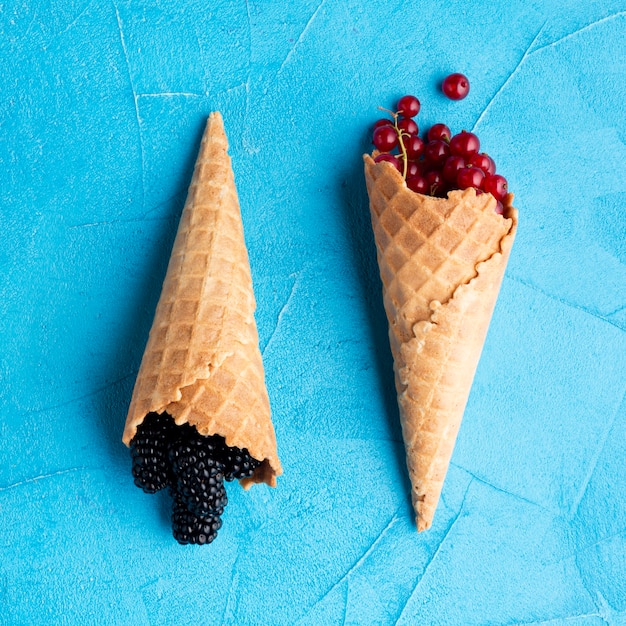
(390, 158)
(382, 122)
(451, 167)
(470, 177)
(408, 125)
(417, 183)
(436, 183)
(414, 146)
(455, 86)
(464, 144)
(413, 169)
(497, 186)
(436, 152)
(484, 162)
(499, 208)
(408, 106)
(439, 131)
(385, 138)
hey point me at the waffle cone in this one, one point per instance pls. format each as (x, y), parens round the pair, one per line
(441, 262)
(202, 363)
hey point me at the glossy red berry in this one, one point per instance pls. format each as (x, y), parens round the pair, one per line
(440, 132)
(436, 183)
(385, 138)
(390, 158)
(408, 126)
(413, 169)
(497, 186)
(499, 208)
(418, 184)
(436, 152)
(414, 146)
(464, 144)
(455, 86)
(382, 122)
(484, 162)
(451, 167)
(470, 177)
(408, 106)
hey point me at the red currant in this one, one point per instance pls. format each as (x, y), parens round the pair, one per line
(439, 131)
(499, 208)
(436, 183)
(408, 125)
(390, 158)
(452, 165)
(413, 169)
(385, 138)
(382, 122)
(408, 106)
(436, 152)
(484, 162)
(455, 86)
(470, 177)
(414, 146)
(497, 186)
(464, 144)
(417, 183)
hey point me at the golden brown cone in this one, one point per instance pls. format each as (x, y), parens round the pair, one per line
(441, 261)
(202, 363)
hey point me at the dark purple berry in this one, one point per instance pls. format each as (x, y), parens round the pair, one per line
(149, 452)
(189, 528)
(238, 463)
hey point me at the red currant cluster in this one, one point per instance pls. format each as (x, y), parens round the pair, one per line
(440, 163)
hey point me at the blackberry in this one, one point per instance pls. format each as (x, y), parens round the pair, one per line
(238, 463)
(149, 452)
(199, 476)
(189, 528)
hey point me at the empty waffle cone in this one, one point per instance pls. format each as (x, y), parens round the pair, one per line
(202, 363)
(441, 262)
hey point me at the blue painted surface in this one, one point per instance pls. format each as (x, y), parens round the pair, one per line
(101, 110)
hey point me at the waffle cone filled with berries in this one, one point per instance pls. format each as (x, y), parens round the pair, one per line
(202, 365)
(441, 261)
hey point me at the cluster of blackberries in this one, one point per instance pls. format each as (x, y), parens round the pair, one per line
(194, 467)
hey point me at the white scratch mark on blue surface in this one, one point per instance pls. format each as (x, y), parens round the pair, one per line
(229, 609)
(580, 30)
(138, 218)
(596, 457)
(34, 479)
(509, 78)
(571, 305)
(246, 111)
(346, 603)
(30, 25)
(171, 94)
(517, 496)
(135, 102)
(78, 398)
(301, 37)
(560, 620)
(435, 553)
(604, 612)
(360, 561)
(70, 25)
(281, 313)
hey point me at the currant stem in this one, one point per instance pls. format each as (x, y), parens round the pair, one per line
(401, 142)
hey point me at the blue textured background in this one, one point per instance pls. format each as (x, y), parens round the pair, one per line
(102, 105)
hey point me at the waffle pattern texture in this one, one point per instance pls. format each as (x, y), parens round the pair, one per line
(441, 262)
(202, 363)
